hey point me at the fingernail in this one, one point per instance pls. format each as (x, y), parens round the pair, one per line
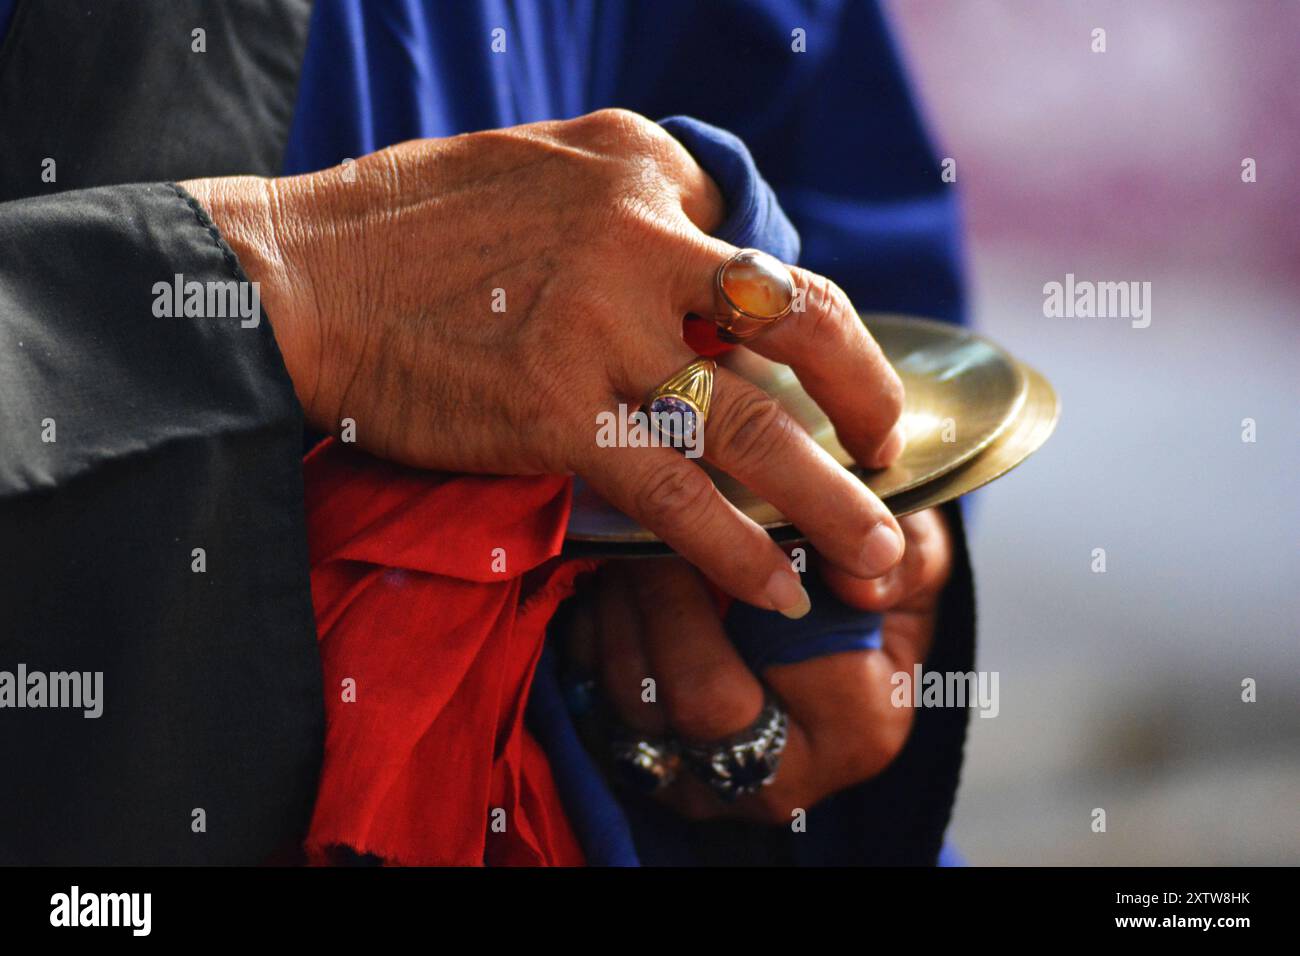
(787, 595)
(881, 550)
(893, 446)
(882, 586)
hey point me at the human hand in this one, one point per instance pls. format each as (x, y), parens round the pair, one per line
(589, 236)
(657, 619)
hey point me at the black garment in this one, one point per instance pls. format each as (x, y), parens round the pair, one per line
(114, 92)
(171, 434)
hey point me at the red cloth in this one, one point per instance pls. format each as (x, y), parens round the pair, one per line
(412, 606)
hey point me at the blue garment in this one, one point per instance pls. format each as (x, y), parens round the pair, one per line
(597, 818)
(754, 217)
(834, 131)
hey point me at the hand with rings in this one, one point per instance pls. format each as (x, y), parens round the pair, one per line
(716, 740)
(475, 303)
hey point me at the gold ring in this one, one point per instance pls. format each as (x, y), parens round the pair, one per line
(752, 291)
(679, 406)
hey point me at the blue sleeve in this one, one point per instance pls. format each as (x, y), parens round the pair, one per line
(835, 129)
(754, 217)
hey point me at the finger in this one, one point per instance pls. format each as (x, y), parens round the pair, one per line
(624, 664)
(792, 789)
(751, 437)
(843, 703)
(676, 499)
(914, 582)
(837, 361)
(910, 601)
(707, 691)
(842, 367)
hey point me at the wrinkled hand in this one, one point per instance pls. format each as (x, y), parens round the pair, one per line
(591, 235)
(657, 619)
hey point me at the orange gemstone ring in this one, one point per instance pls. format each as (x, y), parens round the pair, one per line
(752, 292)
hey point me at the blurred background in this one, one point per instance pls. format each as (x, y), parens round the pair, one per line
(1123, 690)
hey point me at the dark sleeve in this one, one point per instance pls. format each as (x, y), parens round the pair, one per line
(128, 440)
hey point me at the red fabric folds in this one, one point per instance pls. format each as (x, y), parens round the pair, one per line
(432, 593)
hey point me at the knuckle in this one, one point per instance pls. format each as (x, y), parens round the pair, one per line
(832, 310)
(615, 118)
(704, 705)
(673, 497)
(754, 431)
(618, 129)
(641, 149)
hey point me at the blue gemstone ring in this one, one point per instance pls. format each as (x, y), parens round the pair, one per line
(679, 407)
(746, 761)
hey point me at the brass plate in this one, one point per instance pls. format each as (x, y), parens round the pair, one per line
(1024, 436)
(958, 386)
